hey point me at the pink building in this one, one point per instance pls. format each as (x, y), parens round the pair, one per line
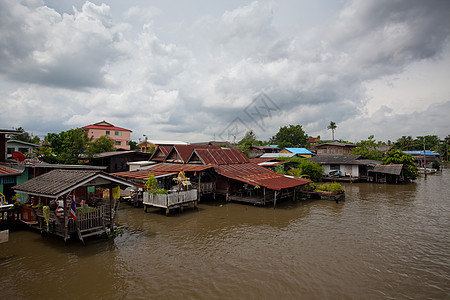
(121, 136)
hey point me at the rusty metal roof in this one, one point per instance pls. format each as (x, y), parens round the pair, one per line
(185, 151)
(161, 170)
(259, 160)
(220, 156)
(7, 171)
(160, 153)
(257, 175)
(143, 174)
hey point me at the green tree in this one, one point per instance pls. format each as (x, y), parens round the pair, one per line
(404, 143)
(312, 169)
(290, 136)
(332, 127)
(134, 146)
(26, 137)
(396, 156)
(368, 149)
(68, 145)
(100, 145)
(250, 139)
(302, 167)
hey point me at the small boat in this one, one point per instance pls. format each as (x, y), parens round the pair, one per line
(428, 170)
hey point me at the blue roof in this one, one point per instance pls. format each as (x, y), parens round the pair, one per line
(298, 150)
(427, 152)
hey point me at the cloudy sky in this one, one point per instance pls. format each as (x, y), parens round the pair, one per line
(201, 69)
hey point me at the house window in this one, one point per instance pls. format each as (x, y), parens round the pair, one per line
(107, 132)
(23, 150)
(335, 167)
(118, 143)
(10, 150)
(119, 133)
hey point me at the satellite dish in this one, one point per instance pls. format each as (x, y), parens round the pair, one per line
(18, 156)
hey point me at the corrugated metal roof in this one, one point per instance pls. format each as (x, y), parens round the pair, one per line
(166, 167)
(221, 156)
(395, 169)
(119, 153)
(257, 175)
(143, 174)
(298, 150)
(427, 152)
(271, 163)
(336, 144)
(161, 170)
(58, 182)
(275, 155)
(259, 160)
(7, 171)
(181, 153)
(336, 159)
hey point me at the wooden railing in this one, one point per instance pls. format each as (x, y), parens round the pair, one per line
(167, 200)
(90, 217)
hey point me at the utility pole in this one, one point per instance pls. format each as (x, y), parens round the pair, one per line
(145, 143)
(424, 159)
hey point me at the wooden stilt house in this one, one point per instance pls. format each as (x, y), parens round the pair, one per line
(94, 194)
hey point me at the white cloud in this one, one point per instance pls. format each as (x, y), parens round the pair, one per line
(88, 65)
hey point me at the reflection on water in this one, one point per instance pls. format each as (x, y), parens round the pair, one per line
(384, 241)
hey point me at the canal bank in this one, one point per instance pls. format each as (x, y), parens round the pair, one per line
(384, 241)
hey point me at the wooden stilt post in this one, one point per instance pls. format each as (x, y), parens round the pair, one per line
(264, 192)
(275, 199)
(228, 189)
(66, 221)
(294, 193)
(199, 186)
(111, 219)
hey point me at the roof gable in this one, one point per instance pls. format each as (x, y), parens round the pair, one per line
(103, 125)
(161, 153)
(395, 169)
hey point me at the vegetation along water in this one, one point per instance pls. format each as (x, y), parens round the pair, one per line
(384, 241)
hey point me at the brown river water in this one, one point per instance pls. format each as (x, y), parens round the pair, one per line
(383, 242)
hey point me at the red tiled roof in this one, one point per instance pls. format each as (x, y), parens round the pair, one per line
(256, 175)
(5, 171)
(220, 156)
(105, 126)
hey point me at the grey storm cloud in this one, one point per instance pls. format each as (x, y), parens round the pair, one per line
(208, 75)
(44, 47)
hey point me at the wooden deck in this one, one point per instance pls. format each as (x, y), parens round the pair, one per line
(171, 200)
(89, 220)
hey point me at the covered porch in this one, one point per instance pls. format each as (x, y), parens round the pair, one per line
(253, 184)
(73, 202)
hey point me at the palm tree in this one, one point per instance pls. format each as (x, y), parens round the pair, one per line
(332, 126)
